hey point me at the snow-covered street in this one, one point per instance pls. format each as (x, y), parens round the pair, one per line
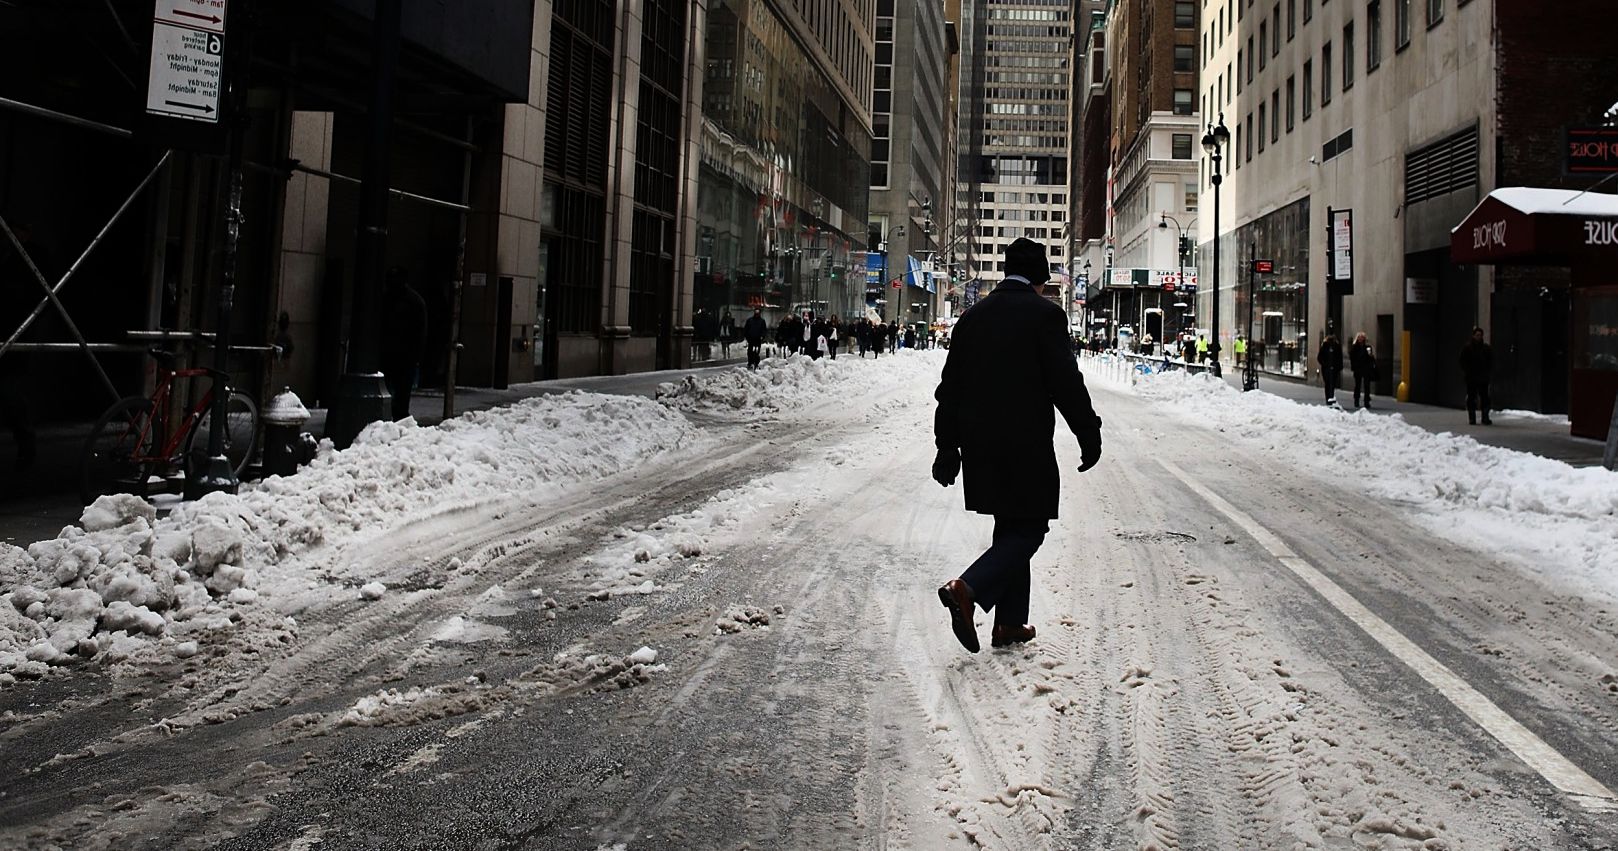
(709, 621)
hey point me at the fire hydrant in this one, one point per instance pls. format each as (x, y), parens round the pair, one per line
(286, 445)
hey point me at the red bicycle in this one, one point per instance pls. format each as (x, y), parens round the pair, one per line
(132, 447)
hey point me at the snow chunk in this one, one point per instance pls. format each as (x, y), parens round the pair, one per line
(643, 656)
(372, 591)
(121, 615)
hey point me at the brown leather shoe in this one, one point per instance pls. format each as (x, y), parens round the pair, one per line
(957, 597)
(1004, 635)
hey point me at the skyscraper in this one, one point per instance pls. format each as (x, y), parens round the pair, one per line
(1014, 113)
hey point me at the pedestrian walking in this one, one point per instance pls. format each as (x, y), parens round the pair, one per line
(754, 331)
(862, 335)
(1362, 362)
(727, 333)
(806, 336)
(1330, 358)
(1008, 366)
(1477, 366)
(832, 336)
(1202, 349)
(404, 323)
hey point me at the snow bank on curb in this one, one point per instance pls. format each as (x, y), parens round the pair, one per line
(123, 582)
(1560, 521)
(795, 383)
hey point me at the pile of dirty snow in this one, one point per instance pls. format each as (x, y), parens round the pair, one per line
(1559, 522)
(123, 582)
(795, 383)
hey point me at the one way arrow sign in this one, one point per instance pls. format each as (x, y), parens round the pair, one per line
(205, 15)
(187, 71)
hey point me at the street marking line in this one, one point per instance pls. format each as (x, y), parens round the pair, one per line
(1558, 770)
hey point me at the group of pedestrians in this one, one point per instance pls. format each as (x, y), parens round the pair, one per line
(1476, 362)
(809, 335)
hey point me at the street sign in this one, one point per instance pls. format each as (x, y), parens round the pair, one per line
(187, 72)
(1264, 266)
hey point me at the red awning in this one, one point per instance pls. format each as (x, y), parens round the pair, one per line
(1551, 227)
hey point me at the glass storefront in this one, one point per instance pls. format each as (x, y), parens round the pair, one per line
(1279, 302)
(783, 183)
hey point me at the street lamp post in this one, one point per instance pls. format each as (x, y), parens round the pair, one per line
(1182, 252)
(1215, 139)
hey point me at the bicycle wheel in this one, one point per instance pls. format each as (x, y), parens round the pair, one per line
(241, 433)
(117, 455)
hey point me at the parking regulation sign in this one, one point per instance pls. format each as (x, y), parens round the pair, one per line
(188, 60)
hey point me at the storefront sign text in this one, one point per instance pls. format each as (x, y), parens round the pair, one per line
(1601, 232)
(1489, 235)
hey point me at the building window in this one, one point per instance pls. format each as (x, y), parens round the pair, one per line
(1275, 115)
(1263, 36)
(1230, 74)
(1308, 10)
(1185, 15)
(1190, 197)
(1181, 146)
(1238, 72)
(1248, 151)
(1275, 35)
(1292, 19)
(1261, 107)
(1292, 102)
(1401, 24)
(1185, 57)
(1308, 88)
(1325, 74)
(1373, 35)
(1249, 59)
(1184, 102)
(1236, 149)
(1435, 12)
(1348, 56)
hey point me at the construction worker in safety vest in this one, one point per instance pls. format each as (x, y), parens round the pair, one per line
(1202, 349)
(1241, 350)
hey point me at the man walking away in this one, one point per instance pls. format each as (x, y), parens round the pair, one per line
(1363, 364)
(404, 323)
(1330, 358)
(1008, 365)
(1477, 365)
(754, 331)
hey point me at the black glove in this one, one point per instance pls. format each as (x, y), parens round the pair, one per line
(946, 466)
(1090, 452)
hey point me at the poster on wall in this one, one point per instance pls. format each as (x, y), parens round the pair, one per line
(1342, 245)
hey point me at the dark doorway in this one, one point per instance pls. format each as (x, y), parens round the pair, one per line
(1530, 348)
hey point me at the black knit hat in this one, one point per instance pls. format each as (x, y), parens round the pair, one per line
(1026, 258)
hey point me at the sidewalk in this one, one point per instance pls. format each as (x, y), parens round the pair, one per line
(1521, 431)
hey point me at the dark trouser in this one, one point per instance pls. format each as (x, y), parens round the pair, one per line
(832, 346)
(999, 579)
(400, 381)
(1477, 394)
(753, 355)
(1362, 383)
(1333, 379)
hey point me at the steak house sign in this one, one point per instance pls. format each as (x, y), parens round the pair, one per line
(1538, 227)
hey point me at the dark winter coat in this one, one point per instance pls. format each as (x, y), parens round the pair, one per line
(1330, 357)
(755, 330)
(1008, 366)
(1477, 362)
(404, 328)
(1361, 360)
